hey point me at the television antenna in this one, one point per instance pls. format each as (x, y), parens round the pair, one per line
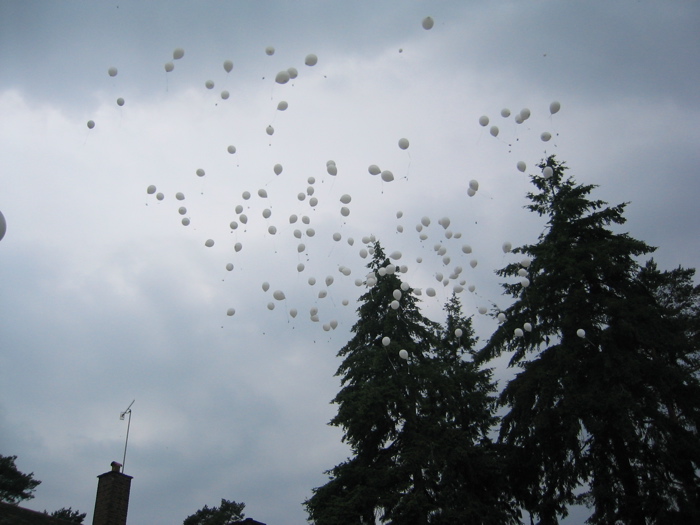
(128, 426)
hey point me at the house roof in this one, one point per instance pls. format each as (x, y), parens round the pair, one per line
(14, 515)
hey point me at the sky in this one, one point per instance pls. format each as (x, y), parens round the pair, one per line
(107, 297)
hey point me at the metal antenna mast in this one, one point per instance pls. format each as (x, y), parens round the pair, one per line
(128, 426)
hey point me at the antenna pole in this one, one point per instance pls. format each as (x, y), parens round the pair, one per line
(128, 426)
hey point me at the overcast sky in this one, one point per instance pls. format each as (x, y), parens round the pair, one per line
(107, 297)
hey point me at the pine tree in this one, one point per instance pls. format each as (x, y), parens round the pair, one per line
(414, 425)
(603, 393)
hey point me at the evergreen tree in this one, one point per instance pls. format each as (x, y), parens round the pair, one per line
(15, 486)
(228, 513)
(607, 387)
(413, 425)
(68, 515)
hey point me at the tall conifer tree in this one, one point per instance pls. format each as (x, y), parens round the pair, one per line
(414, 426)
(605, 390)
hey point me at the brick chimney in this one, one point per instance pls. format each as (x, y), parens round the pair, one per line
(112, 501)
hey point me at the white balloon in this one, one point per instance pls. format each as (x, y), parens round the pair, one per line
(524, 114)
(224, 95)
(403, 143)
(473, 184)
(228, 66)
(200, 172)
(233, 225)
(209, 243)
(231, 149)
(178, 53)
(293, 73)
(180, 196)
(344, 211)
(334, 324)
(151, 189)
(305, 219)
(387, 176)
(311, 281)
(363, 253)
(245, 195)
(494, 131)
(265, 286)
(482, 310)
(270, 306)
(521, 166)
(484, 120)
(473, 263)
(501, 317)
(311, 60)
(270, 130)
(272, 230)
(430, 292)
(386, 341)
(90, 124)
(397, 294)
(209, 84)
(279, 295)
(313, 201)
(230, 311)
(546, 136)
(329, 280)
(332, 170)
(282, 105)
(337, 236)
(310, 232)
(518, 332)
(229, 267)
(525, 282)
(458, 332)
(554, 107)
(351, 241)
(3, 226)
(301, 247)
(262, 193)
(345, 199)
(525, 263)
(277, 169)
(169, 66)
(506, 247)
(182, 210)
(266, 213)
(527, 327)
(505, 113)
(394, 305)
(395, 255)
(293, 312)
(581, 333)
(547, 172)
(403, 354)
(160, 196)
(428, 23)
(112, 71)
(301, 196)
(292, 219)
(238, 247)
(467, 249)
(269, 50)
(120, 101)
(282, 77)
(471, 288)
(300, 267)
(243, 218)
(239, 209)
(374, 169)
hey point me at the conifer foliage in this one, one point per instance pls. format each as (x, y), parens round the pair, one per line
(416, 427)
(606, 408)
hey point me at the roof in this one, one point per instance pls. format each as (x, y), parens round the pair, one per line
(14, 515)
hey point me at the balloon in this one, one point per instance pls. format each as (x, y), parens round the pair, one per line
(233, 225)
(178, 53)
(403, 143)
(180, 196)
(525, 263)
(506, 247)
(228, 66)
(160, 196)
(374, 169)
(277, 169)
(293, 312)
(151, 189)
(505, 113)
(345, 199)
(169, 66)
(484, 120)
(300, 267)
(471, 192)
(282, 77)
(279, 295)
(243, 218)
(395, 255)
(518, 332)
(312, 281)
(581, 333)
(482, 310)
(332, 170)
(269, 50)
(200, 172)
(329, 280)
(425, 221)
(305, 219)
(272, 230)
(112, 71)
(238, 247)
(458, 332)
(301, 196)
(310, 232)
(351, 241)
(494, 131)
(282, 105)
(471, 288)
(245, 195)
(269, 130)
(265, 286)
(224, 95)
(270, 306)
(399, 228)
(403, 354)
(230, 311)
(337, 236)
(394, 305)
(344, 211)
(467, 249)
(301, 247)
(120, 101)
(231, 149)
(3, 226)
(292, 219)
(182, 210)
(397, 294)
(185, 221)
(209, 84)
(527, 327)
(311, 180)
(334, 324)
(521, 166)
(90, 124)
(363, 253)
(386, 341)
(229, 266)
(524, 114)
(427, 23)
(501, 317)
(387, 176)
(518, 119)
(546, 136)
(547, 172)
(554, 107)
(473, 185)
(293, 73)
(473, 263)
(430, 292)
(525, 282)
(209, 243)
(311, 60)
